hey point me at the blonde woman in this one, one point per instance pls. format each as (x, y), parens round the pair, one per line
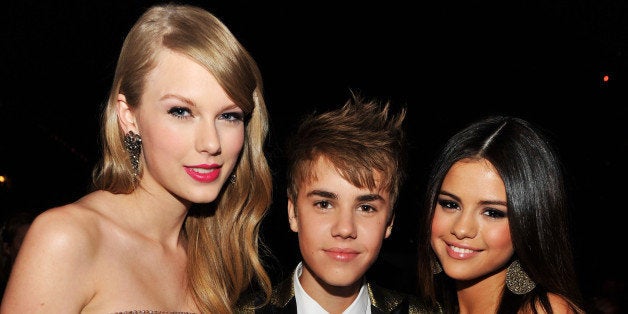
(172, 224)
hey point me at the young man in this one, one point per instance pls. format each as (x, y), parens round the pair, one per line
(344, 174)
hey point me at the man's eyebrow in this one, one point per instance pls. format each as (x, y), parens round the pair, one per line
(370, 197)
(322, 193)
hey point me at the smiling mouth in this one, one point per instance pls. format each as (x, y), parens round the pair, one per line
(204, 175)
(460, 250)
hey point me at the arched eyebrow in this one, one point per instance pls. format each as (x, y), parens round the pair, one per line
(489, 202)
(455, 197)
(179, 97)
(485, 202)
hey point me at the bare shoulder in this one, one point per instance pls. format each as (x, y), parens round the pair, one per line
(64, 229)
(65, 235)
(58, 249)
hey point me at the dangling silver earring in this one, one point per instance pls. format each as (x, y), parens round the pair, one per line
(436, 267)
(517, 280)
(133, 145)
(232, 178)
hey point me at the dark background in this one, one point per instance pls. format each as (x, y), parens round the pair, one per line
(448, 63)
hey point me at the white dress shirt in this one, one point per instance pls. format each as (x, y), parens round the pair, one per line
(307, 305)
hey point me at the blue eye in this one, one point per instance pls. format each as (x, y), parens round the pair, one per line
(179, 112)
(232, 116)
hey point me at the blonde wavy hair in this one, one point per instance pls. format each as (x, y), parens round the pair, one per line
(223, 237)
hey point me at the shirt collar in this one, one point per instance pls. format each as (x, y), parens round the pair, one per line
(307, 305)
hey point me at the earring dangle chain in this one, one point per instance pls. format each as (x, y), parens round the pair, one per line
(133, 145)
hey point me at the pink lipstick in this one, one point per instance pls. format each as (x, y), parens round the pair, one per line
(203, 173)
(460, 252)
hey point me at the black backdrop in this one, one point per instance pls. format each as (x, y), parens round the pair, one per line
(541, 60)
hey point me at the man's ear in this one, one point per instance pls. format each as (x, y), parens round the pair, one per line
(389, 227)
(292, 216)
(126, 116)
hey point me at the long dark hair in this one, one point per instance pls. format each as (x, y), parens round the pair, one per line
(538, 215)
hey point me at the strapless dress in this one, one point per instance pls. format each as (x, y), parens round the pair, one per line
(151, 312)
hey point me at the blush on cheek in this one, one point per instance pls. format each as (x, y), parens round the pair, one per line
(499, 238)
(434, 236)
(438, 226)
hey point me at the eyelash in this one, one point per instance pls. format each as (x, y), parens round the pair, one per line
(494, 213)
(368, 208)
(232, 116)
(489, 212)
(179, 112)
(322, 204)
(364, 207)
(183, 113)
(448, 204)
